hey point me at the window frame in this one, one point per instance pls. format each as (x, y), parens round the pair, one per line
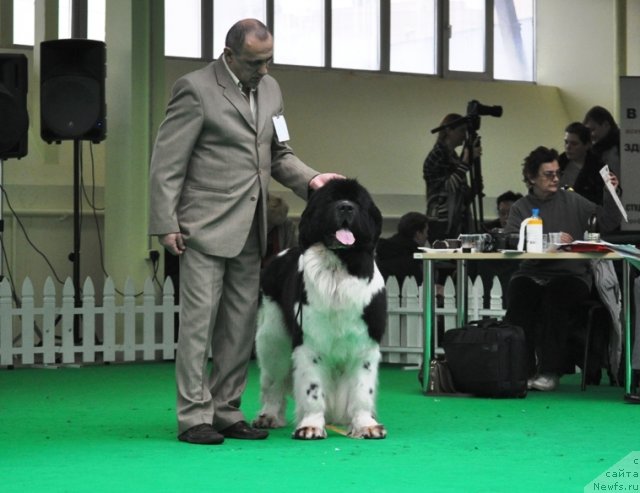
(79, 27)
(444, 31)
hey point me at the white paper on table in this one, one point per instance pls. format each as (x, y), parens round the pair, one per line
(604, 172)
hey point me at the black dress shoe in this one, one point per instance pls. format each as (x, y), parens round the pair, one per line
(203, 434)
(243, 431)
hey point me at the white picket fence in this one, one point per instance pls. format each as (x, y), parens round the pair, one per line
(404, 335)
(129, 327)
(120, 328)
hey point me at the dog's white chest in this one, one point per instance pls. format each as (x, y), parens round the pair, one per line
(329, 286)
(338, 336)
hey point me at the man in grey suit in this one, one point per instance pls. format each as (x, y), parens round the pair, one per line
(221, 141)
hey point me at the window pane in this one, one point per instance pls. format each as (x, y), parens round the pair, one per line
(96, 20)
(413, 36)
(356, 34)
(513, 40)
(24, 15)
(182, 28)
(227, 12)
(64, 19)
(299, 32)
(467, 41)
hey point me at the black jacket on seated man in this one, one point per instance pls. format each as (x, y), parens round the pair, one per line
(394, 257)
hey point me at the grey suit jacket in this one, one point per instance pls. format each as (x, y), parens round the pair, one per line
(212, 164)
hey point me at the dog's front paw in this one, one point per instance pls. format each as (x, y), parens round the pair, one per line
(267, 421)
(309, 433)
(373, 432)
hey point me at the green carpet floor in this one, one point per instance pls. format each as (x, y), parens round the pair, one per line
(112, 429)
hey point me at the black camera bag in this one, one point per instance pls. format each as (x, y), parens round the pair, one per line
(487, 358)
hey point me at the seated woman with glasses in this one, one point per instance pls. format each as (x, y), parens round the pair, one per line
(544, 295)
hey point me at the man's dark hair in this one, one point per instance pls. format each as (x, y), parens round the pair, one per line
(508, 196)
(581, 130)
(410, 223)
(239, 31)
(600, 115)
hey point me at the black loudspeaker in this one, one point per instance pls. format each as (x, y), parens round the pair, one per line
(72, 96)
(14, 119)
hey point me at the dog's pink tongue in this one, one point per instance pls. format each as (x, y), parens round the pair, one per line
(345, 237)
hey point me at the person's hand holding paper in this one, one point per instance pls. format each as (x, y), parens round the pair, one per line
(611, 182)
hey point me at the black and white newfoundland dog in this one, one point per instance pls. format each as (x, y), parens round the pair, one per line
(322, 314)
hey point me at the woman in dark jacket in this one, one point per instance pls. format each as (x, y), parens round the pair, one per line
(580, 165)
(605, 136)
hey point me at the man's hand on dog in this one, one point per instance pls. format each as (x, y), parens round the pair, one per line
(323, 178)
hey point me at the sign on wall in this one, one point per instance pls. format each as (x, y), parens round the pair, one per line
(630, 150)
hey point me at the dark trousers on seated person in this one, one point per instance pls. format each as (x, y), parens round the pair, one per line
(548, 315)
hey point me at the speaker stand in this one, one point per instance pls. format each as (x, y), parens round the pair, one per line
(75, 255)
(2, 254)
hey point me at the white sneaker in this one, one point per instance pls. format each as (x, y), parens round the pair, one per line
(544, 382)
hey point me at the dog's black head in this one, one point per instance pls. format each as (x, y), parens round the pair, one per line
(342, 216)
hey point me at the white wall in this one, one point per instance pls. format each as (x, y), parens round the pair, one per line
(632, 41)
(579, 50)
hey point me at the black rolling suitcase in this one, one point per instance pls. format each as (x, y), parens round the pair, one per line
(487, 358)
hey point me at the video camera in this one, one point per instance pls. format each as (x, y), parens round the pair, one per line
(474, 111)
(475, 108)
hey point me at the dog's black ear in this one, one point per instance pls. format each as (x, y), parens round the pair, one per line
(376, 217)
(303, 225)
(304, 229)
(308, 232)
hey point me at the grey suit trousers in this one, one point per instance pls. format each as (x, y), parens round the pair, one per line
(218, 304)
